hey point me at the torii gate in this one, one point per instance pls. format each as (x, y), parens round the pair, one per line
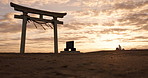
(41, 13)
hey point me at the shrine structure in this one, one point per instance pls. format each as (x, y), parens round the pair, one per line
(40, 20)
(70, 48)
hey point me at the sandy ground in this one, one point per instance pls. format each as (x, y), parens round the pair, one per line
(92, 65)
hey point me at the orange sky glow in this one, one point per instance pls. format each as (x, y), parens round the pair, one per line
(93, 24)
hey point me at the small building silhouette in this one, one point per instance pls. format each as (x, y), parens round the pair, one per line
(70, 48)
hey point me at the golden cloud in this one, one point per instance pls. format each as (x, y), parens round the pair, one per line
(28, 2)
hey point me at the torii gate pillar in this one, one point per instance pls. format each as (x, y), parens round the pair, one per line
(55, 35)
(23, 35)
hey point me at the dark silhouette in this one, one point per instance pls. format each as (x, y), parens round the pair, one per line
(70, 48)
(119, 48)
(70, 45)
(26, 18)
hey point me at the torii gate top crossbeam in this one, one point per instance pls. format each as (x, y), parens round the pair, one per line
(36, 11)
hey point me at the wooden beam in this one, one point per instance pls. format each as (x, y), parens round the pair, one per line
(37, 19)
(41, 16)
(36, 11)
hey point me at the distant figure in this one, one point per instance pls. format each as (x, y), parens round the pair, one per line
(119, 48)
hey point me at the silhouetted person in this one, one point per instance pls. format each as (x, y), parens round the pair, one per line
(120, 47)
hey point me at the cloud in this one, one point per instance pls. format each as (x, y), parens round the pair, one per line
(72, 38)
(41, 39)
(28, 2)
(9, 17)
(8, 24)
(75, 4)
(115, 4)
(111, 11)
(137, 19)
(9, 28)
(108, 24)
(145, 27)
(142, 39)
(75, 25)
(141, 46)
(130, 5)
(113, 30)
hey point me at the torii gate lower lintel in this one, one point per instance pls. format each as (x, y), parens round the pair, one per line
(41, 13)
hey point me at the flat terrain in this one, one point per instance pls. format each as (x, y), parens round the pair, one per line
(89, 65)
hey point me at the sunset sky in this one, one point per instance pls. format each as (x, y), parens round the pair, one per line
(93, 24)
